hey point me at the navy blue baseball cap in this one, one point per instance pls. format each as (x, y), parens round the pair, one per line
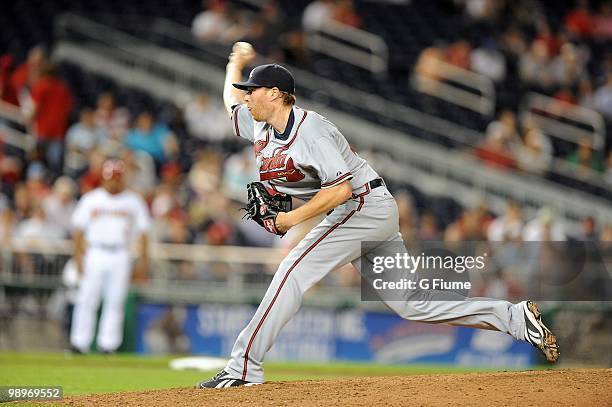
(269, 76)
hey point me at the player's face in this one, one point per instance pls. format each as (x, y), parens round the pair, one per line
(256, 100)
(114, 185)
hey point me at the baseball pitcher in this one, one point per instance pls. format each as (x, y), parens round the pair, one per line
(302, 154)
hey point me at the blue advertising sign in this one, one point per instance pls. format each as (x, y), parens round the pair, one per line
(316, 334)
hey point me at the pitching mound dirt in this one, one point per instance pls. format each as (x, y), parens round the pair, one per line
(564, 387)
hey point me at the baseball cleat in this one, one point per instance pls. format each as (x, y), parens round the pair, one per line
(537, 334)
(222, 380)
(76, 351)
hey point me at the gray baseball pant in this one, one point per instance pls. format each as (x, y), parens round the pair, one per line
(334, 242)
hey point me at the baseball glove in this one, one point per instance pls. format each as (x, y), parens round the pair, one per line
(263, 207)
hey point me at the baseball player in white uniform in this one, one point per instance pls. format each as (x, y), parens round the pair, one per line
(302, 154)
(106, 221)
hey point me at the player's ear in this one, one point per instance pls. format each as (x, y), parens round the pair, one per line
(275, 93)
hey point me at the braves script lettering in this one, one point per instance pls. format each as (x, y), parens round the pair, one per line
(279, 166)
(110, 212)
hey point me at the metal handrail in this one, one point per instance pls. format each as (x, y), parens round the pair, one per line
(546, 112)
(238, 286)
(165, 251)
(11, 112)
(352, 45)
(10, 135)
(305, 79)
(444, 88)
(16, 138)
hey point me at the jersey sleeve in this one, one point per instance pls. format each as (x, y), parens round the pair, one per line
(81, 214)
(242, 123)
(328, 162)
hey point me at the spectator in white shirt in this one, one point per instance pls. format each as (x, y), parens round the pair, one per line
(59, 205)
(81, 138)
(219, 24)
(507, 227)
(84, 135)
(488, 61)
(38, 228)
(113, 120)
(206, 121)
(316, 14)
(603, 97)
(544, 228)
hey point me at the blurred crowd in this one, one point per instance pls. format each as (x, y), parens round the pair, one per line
(478, 223)
(522, 48)
(522, 249)
(569, 61)
(194, 186)
(528, 149)
(273, 34)
(192, 172)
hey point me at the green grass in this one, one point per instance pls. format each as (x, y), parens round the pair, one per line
(100, 373)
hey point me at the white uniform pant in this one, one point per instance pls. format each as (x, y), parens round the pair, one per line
(106, 275)
(335, 242)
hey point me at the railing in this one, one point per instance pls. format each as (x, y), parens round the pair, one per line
(564, 121)
(321, 88)
(458, 86)
(10, 114)
(167, 251)
(352, 45)
(34, 301)
(349, 44)
(198, 273)
(16, 138)
(178, 273)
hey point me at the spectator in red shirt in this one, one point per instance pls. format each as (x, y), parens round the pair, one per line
(10, 171)
(579, 22)
(52, 105)
(343, 11)
(544, 33)
(494, 151)
(603, 21)
(458, 54)
(28, 72)
(7, 93)
(93, 177)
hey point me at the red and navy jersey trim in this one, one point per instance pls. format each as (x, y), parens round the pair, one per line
(297, 130)
(337, 180)
(235, 120)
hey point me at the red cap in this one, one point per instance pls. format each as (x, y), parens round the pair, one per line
(112, 168)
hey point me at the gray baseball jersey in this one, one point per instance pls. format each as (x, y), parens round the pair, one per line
(310, 156)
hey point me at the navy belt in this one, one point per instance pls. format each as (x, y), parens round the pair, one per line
(375, 183)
